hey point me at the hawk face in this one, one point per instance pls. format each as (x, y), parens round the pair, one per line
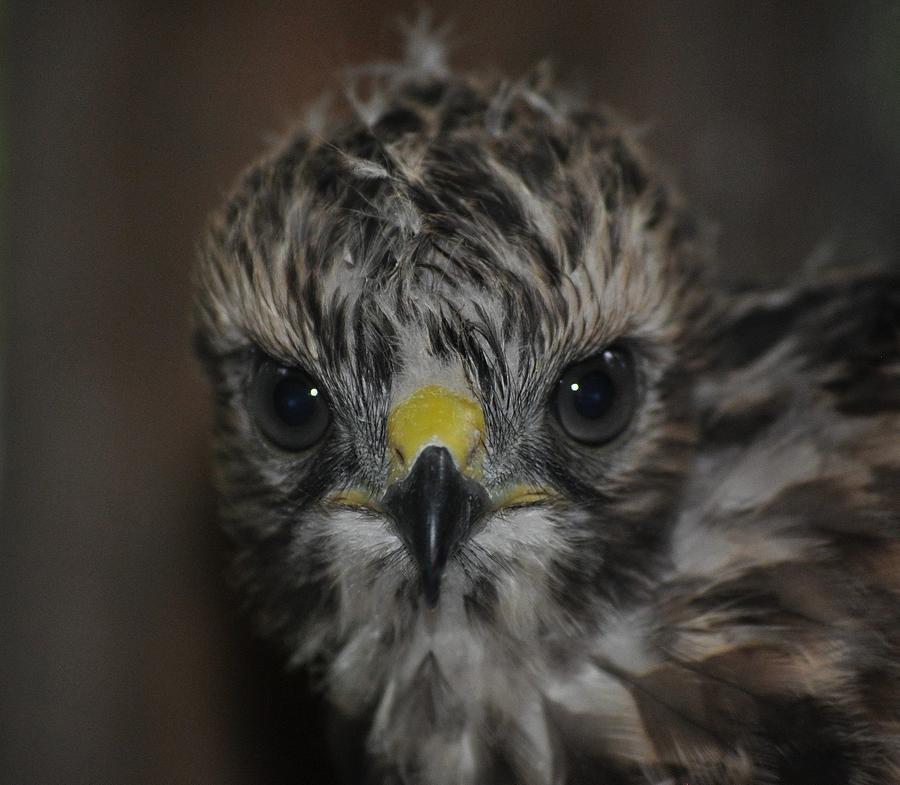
(484, 455)
(451, 350)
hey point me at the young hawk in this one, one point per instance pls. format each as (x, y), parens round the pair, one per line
(539, 504)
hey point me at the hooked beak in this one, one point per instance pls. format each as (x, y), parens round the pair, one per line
(434, 507)
(434, 499)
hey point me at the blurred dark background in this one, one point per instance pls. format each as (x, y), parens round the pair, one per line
(122, 657)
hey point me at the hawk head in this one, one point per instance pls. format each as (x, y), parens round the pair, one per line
(455, 337)
(450, 337)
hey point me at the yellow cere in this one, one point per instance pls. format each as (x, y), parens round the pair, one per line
(434, 415)
(353, 497)
(522, 495)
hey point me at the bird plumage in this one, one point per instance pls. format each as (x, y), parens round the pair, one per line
(710, 597)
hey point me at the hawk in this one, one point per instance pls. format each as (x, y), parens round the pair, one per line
(536, 500)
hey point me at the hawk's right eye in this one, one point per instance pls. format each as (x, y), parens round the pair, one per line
(288, 406)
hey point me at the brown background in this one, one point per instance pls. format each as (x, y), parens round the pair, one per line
(123, 660)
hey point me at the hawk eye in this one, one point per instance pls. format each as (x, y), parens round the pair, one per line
(289, 407)
(595, 399)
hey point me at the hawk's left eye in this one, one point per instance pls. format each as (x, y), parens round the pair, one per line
(289, 407)
(595, 399)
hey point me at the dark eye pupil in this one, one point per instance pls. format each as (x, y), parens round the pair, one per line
(596, 398)
(294, 401)
(290, 408)
(593, 395)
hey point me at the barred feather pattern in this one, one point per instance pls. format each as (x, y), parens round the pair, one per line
(711, 599)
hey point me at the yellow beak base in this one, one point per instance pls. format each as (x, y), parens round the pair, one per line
(434, 415)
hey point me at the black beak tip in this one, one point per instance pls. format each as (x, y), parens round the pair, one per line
(431, 588)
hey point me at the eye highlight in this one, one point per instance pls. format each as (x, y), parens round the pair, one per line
(595, 399)
(288, 406)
